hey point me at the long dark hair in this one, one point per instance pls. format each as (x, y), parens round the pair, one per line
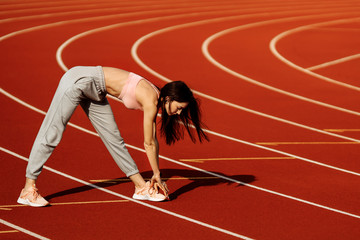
(171, 127)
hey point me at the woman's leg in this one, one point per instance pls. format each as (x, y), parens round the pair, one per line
(65, 101)
(102, 118)
(67, 97)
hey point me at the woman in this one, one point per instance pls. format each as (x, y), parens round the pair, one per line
(88, 87)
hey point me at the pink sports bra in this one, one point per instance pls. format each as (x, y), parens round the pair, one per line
(127, 94)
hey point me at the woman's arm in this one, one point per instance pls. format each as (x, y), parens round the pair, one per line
(152, 147)
(150, 141)
(148, 99)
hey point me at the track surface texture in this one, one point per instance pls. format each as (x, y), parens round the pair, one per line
(279, 88)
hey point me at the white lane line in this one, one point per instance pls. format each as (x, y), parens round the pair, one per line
(208, 131)
(131, 199)
(22, 229)
(283, 153)
(32, 10)
(62, 14)
(133, 9)
(161, 3)
(276, 39)
(205, 49)
(149, 20)
(334, 62)
(41, 4)
(100, 18)
(200, 170)
(162, 77)
(55, 9)
(125, 6)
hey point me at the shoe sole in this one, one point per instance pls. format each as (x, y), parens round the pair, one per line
(27, 202)
(142, 197)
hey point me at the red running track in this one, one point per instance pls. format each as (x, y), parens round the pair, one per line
(278, 84)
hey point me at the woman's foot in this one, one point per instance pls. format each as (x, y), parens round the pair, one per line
(32, 197)
(148, 193)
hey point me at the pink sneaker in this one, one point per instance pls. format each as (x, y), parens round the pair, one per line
(32, 198)
(147, 193)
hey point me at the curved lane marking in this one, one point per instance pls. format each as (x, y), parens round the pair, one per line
(133, 8)
(120, 15)
(334, 62)
(308, 71)
(158, 75)
(205, 49)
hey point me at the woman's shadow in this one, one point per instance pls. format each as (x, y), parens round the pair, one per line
(198, 179)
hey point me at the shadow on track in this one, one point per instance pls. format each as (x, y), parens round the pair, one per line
(198, 179)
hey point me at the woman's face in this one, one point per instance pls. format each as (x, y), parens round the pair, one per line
(175, 107)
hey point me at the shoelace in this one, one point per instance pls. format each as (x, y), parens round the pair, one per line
(149, 190)
(33, 192)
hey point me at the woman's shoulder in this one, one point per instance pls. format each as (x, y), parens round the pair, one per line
(146, 94)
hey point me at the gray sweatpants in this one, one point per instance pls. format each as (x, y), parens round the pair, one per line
(84, 86)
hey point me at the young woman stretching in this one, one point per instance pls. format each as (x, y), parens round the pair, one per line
(88, 87)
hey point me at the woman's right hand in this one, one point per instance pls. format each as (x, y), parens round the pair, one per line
(157, 183)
